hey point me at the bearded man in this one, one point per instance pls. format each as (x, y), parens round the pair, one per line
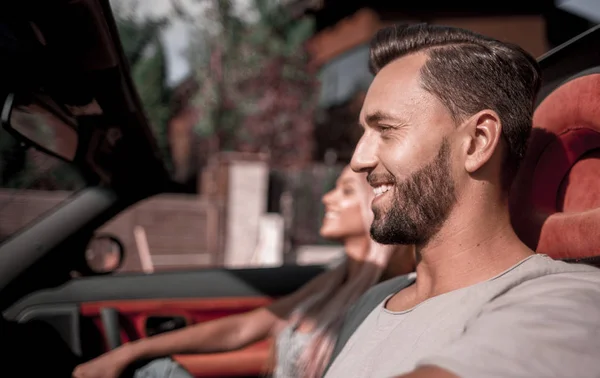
(446, 123)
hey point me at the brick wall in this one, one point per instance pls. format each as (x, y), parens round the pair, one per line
(525, 31)
(181, 230)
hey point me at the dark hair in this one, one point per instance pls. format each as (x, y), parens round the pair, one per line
(468, 73)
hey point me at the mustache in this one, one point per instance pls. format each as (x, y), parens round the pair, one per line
(375, 179)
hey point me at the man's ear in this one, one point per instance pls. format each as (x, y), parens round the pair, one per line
(484, 132)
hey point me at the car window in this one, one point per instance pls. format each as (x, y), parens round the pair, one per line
(31, 184)
(227, 225)
(234, 208)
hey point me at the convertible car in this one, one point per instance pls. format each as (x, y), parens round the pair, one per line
(64, 70)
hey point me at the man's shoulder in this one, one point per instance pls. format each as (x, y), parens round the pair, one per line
(552, 281)
(545, 270)
(567, 276)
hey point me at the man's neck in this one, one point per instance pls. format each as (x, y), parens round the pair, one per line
(402, 261)
(468, 249)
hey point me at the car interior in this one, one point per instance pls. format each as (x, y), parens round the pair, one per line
(67, 55)
(555, 200)
(69, 51)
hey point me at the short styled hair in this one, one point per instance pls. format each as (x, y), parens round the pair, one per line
(469, 72)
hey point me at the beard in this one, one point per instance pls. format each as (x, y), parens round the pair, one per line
(420, 206)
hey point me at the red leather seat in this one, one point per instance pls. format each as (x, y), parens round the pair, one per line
(555, 199)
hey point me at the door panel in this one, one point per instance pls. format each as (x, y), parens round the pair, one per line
(62, 317)
(134, 314)
(195, 296)
(248, 362)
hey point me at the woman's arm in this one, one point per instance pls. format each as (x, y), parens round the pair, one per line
(228, 333)
(224, 334)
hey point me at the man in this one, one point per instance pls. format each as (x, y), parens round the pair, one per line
(446, 121)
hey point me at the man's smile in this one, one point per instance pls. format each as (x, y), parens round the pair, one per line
(380, 189)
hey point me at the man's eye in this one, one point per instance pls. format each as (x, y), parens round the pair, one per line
(385, 131)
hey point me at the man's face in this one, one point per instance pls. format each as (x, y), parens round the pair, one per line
(407, 151)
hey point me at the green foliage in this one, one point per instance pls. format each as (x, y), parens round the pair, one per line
(136, 36)
(145, 52)
(149, 75)
(256, 92)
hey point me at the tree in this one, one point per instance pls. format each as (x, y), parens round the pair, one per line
(256, 93)
(145, 53)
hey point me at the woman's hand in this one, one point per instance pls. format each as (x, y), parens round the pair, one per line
(108, 365)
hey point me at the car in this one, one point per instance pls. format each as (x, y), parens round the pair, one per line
(66, 63)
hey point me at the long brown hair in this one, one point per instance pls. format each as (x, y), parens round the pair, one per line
(327, 308)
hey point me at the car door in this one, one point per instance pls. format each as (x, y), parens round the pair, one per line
(93, 314)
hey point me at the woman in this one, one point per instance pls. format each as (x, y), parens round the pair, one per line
(306, 322)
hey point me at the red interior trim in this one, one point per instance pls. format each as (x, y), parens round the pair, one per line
(173, 305)
(249, 361)
(246, 362)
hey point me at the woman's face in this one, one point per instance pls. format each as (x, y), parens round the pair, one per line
(343, 218)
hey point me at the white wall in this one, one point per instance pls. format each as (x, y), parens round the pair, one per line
(246, 204)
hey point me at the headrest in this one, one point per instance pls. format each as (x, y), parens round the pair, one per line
(555, 199)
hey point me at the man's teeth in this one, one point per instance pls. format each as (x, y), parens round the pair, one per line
(379, 190)
(330, 214)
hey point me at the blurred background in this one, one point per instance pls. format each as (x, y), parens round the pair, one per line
(254, 106)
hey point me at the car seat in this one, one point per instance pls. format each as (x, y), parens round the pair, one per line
(555, 198)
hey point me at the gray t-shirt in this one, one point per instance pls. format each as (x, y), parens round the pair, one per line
(541, 318)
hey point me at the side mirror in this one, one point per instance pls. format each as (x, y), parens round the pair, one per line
(42, 123)
(104, 254)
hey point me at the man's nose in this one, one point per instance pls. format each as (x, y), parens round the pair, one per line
(364, 158)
